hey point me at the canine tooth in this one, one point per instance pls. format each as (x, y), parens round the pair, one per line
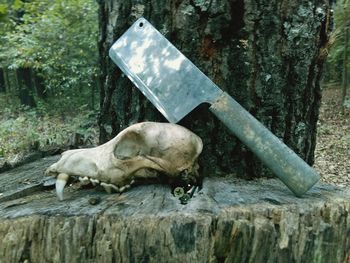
(61, 182)
(132, 182)
(94, 181)
(107, 187)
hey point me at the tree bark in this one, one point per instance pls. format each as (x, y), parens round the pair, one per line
(345, 69)
(25, 87)
(229, 220)
(8, 86)
(266, 54)
(39, 84)
(2, 81)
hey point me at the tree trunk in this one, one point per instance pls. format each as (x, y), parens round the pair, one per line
(345, 69)
(93, 89)
(39, 85)
(8, 86)
(229, 220)
(25, 86)
(2, 81)
(266, 54)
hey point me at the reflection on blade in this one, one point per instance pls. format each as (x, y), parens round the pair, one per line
(165, 76)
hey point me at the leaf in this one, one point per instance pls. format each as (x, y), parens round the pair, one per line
(3, 9)
(17, 4)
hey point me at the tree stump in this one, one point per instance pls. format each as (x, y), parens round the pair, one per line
(228, 220)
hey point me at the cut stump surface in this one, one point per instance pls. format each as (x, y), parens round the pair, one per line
(229, 220)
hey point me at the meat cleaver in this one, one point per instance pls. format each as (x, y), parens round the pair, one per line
(176, 86)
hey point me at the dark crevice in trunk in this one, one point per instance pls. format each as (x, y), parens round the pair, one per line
(2, 81)
(39, 85)
(25, 87)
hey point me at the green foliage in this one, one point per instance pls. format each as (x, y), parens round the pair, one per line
(3, 11)
(58, 39)
(335, 58)
(23, 129)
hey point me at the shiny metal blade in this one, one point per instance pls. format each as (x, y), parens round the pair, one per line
(164, 75)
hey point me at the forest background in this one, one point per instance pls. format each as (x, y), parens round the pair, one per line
(49, 94)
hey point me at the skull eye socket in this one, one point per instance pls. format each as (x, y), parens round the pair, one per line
(129, 146)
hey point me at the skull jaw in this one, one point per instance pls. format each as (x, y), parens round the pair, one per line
(143, 152)
(119, 179)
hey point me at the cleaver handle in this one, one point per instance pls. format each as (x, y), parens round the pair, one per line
(283, 162)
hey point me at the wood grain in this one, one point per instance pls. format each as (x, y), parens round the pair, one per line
(229, 220)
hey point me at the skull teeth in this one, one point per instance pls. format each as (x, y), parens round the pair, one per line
(94, 181)
(107, 187)
(110, 188)
(124, 188)
(62, 179)
(84, 180)
(116, 188)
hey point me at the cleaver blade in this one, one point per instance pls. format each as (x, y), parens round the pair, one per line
(176, 86)
(162, 73)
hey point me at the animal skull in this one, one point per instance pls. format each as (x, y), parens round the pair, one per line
(139, 152)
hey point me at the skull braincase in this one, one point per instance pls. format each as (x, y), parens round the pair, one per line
(140, 151)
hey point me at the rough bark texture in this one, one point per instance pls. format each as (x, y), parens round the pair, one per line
(266, 54)
(2, 81)
(7, 80)
(39, 84)
(229, 220)
(25, 86)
